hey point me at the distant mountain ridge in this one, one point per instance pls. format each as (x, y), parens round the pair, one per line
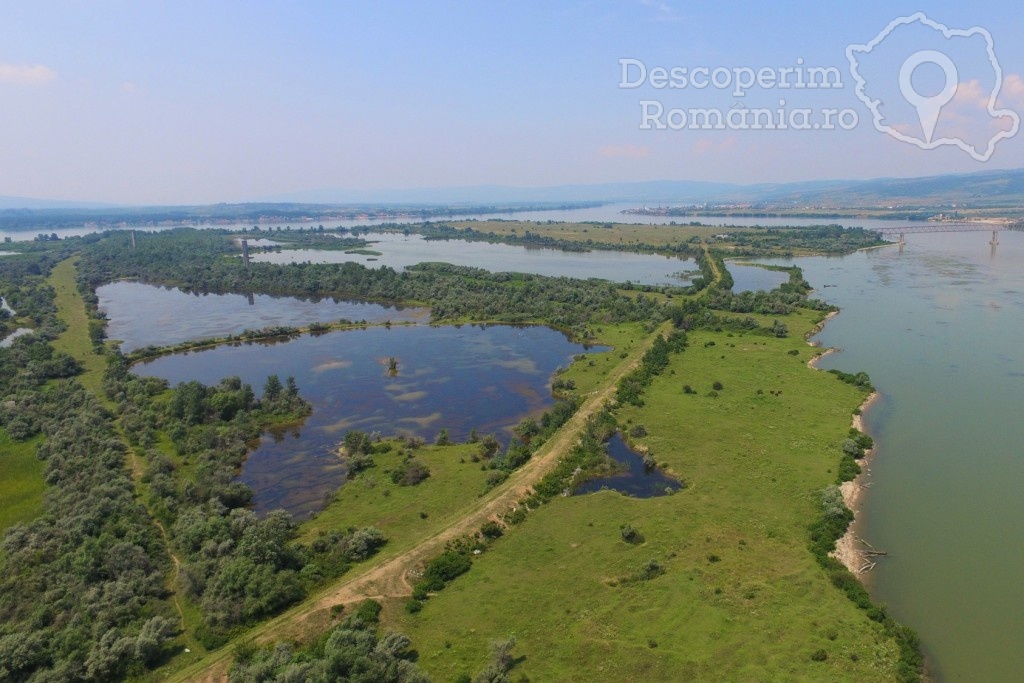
(11, 202)
(982, 188)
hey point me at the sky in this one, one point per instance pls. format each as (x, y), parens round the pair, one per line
(200, 102)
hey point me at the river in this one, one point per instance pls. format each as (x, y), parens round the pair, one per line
(939, 327)
(610, 213)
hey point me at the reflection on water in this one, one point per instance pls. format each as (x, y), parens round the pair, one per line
(608, 213)
(939, 328)
(400, 251)
(140, 314)
(457, 378)
(633, 478)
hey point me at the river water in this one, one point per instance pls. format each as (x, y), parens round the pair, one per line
(609, 213)
(939, 329)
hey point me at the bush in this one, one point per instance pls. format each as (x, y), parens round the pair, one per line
(491, 530)
(717, 386)
(494, 478)
(630, 535)
(445, 568)
(410, 473)
(819, 656)
(369, 611)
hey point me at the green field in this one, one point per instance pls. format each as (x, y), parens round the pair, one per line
(742, 598)
(75, 339)
(620, 234)
(372, 499)
(21, 481)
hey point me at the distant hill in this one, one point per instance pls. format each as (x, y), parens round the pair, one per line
(982, 188)
(9, 202)
(650, 191)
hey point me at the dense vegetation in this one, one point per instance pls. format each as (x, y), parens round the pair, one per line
(198, 261)
(236, 567)
(81, 585)
(352, 651)
(828, 239)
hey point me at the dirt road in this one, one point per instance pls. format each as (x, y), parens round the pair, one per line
(390, 578)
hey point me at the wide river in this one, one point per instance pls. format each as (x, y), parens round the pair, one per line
(939, 327)
(607, 213)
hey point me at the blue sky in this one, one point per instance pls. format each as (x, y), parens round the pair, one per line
(181, 102)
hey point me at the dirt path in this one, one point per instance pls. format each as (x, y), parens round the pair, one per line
(390, 578)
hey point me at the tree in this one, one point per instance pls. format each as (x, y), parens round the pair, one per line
(272, 389)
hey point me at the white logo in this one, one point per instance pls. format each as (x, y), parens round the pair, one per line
(963, 111)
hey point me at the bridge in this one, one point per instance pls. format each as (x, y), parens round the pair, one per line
(936, 226)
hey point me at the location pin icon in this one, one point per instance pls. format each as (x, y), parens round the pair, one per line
(928, 108)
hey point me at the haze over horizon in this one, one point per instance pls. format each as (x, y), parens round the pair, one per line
(192, 103)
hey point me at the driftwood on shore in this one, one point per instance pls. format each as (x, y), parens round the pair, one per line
(867, 555)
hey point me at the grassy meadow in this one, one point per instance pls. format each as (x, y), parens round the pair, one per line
(741, 596)
(21, 481)
(405, 514)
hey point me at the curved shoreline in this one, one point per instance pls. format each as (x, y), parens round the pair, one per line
(849, 548)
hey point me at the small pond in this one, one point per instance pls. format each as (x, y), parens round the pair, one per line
(634, 478)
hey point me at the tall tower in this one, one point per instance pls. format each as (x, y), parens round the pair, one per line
(245, 252)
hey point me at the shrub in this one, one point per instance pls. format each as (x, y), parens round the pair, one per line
(819, 656)
(491, 530)
(369, 611)
(630, 535)
(717, 386)
(410, 473)
(445, 568)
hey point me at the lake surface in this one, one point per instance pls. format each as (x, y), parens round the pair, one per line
(939, 328)
(140, 315)
(400, 251)
(633, 479)
(457, 378)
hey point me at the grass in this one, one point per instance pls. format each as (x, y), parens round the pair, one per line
(742, 597)
(75, 339)
(21, 481)
(593, 369)
(372, 499)
(620, 234)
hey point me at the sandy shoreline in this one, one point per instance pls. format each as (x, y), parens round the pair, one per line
(849, 548)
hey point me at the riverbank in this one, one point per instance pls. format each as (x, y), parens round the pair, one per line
(850, 548)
